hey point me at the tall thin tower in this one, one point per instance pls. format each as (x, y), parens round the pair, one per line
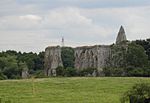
(62, 42)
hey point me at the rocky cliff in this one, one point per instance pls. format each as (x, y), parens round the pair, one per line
(98, 56)
(92, 56)
(52, 60)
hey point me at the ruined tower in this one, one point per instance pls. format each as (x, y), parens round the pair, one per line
(121, 36)
(52, 60)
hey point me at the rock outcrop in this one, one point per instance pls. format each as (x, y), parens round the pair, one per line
(92, 57)
(24, 74)
(121, 36)
(98, 56)
(52, 60)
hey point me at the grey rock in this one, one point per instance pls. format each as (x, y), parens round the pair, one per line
(92, 56)
(25, 74)
(52, 60)
(121, 36)
(98, 56)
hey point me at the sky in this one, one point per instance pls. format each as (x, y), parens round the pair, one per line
(32, 25)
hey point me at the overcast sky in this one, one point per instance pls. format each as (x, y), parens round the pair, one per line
(32, 25)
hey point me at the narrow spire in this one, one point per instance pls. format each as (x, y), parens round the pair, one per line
(121, 35)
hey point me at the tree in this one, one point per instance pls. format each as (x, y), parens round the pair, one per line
(136, 56)
(145, 44)
(67, 54)
(10, 67)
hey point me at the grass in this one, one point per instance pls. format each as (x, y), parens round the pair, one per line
(67, 90)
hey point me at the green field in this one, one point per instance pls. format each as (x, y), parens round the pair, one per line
(67, 90)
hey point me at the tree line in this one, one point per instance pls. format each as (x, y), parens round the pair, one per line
(12, 63)
(137, 63)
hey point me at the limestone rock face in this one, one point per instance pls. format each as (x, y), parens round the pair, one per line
(25, 74)
(121, 36)
(52, 60)
(92, 57)
(98, 56)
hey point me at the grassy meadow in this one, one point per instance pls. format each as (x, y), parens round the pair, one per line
(67, 90)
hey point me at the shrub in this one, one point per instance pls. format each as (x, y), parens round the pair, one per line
(87, 72)
(113, 71)
(60, 71)
(139, 93)
(2, 76)
(69, 72)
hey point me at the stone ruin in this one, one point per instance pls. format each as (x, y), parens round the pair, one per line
(98, 56)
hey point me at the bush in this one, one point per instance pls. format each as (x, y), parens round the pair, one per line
(60, 71)
(135, 71)
(69, 71)
(114, 72)
(2, 76)
(39, 74)
(139, 93)
(87, 72)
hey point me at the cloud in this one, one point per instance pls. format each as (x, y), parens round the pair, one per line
(19, 22)
(66, 18)
(67, 22)
(31, 26)
(31, 17)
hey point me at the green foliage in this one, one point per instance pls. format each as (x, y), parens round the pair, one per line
(139, 93)
(67, 54)
(136, 56)
(12, 63)
(10, 67)
(118, 58)
(60, 71)
(128, 60)
(135, 71)
(114, 71)
(39, 74)
(69, 72)
(86, 71)
(2, 76)
(146, 45)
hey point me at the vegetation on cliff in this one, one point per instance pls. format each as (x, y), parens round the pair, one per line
(132, 59)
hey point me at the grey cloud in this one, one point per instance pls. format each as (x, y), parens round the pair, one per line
(29, 26)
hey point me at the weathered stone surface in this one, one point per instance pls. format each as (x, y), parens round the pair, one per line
(25, 70)
(121, 36)
(52, 60)
(25, 74)
(98, 56)
(92, 56)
